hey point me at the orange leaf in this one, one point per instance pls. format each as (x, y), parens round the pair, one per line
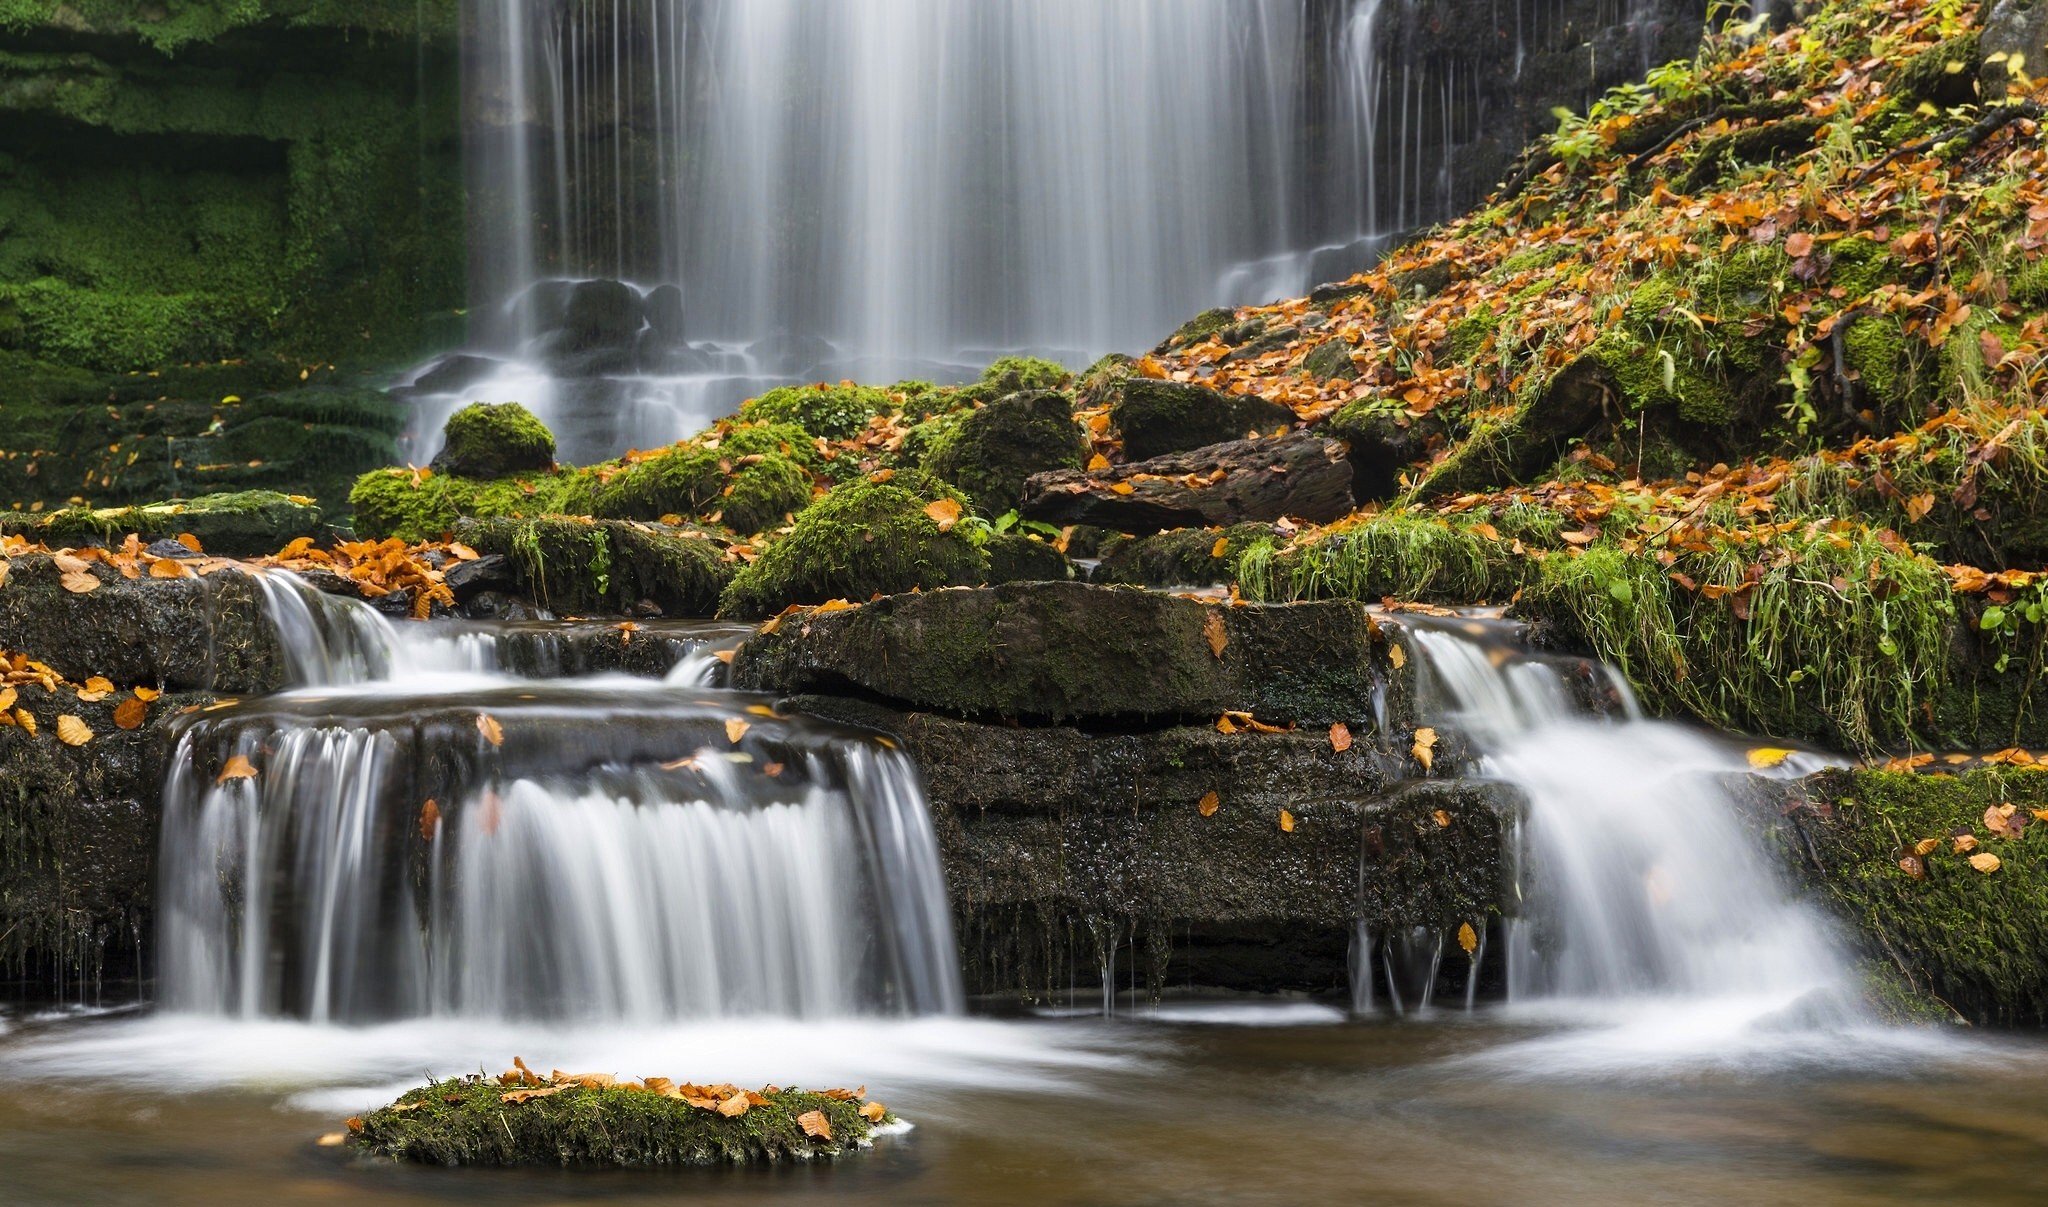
(1221, 547)
(815, 1124)
(169, 567)
(874, 1112)
(72, 731)
(945, 513)
(735, 1106)
(1098, 462)
(1286, 822)
(1468, 938)
(430, 820)
(1210, 802)
(1985, 862)
(190, 542)
(1123, 488)
(735, 729)
(79, 582)
(1340, 737)
(238, 768)
(1213, 631)
(1424, 748)
(1442, 819)
(130, 713)
(488, 726)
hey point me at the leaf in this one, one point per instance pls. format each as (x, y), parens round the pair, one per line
(130, 713)
(238, 768)
(1914, 866)
(874, 1112)
(735, 1106)
(515, 1097)
(73, 731)
(945, 513)
(1985, 862)
(26, 720)
(1468, 938)
(1209, 803)
(1965, 843)
(1799, 245)
(1768, 756)
(147, 694)
(815, 1124)
(79, 582)
(1424, 748)
(1286, 822)
(1213, 631)
(1340, 737)
(1123, 488)
(1442, 819)
(190, 542)
(1926, 846)
(169, 567)
(735, 729)
(332, 1139)
(1225, 725)
(430, 820)
(355, 1123)
(488, 726)
(1097, 462)
(1221, 547)
(1397, 655)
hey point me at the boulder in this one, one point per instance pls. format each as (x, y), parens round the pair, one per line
(1299, 476)
(1385, 440)
(486, 441)
(1070, 652)
(992, 451)
(863, 539)
(602, 314)
(573, 565)
(248, 523)
(1160, 417)
(454, 373)
(665, 312)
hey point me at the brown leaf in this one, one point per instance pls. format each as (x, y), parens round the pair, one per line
(1209, 803)
(874, 1112)
(1442, 819)
(1965, 843)
(1340, 737)
(130, 713)
(1213, 631)
(1918, 506)
(1225, 725)
(73, 731)
(79, 582)
(1286, 822)
(945, 513)
(430, 820)
(355, 1123)
(734, 1107)
(1914, 866)
(488, 726)
(190, 542)
(1985, 862)
(735, 729)
(1397, 655)
(1424, 748)
(515, 1097)
(815, 1124)
(26, 720)
(1926, 846)
(238, 768)
(169, 567)
(1999, 819)
(1468, 938)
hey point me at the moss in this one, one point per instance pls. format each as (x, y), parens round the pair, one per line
(423, 507)
(747, 492)
(2030, 283)
(1329, 361)
(833, 412)
(864, 539)
(1202, 326)
(1973, 940)
(1184, 557)
(468, 1122)
(1159, 417)
(1860, 265)
(1016, 557)
(1895, 368)
(988, 453)
(1394, 554)
(246, 524)
(1945, 75)
(1103, 382)
(1531, 259)
(580, 566)
(483, 440)
(1010, 374)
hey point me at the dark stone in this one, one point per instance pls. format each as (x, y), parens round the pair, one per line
(1160, 417)
(1064, 651)
(1385, 441)
(1521, 448)
(491, 572)
(1016, 558)
(453, 373)
(602, 314)
(665, 312)
(605, 567)
(996, 448)
(786, 353)
(1300, 476)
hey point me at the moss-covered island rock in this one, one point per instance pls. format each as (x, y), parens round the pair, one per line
(864, 539)
(591, 1121)
(487, 440)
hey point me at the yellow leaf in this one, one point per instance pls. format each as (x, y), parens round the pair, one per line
(79, 582)
(1918, 506)
(1985, 862)
(1965, 843)
(1397, 655)
(147, 694)
(1286, 822)
(1225, 725)
(1768, 756)
(332, 1140)
(488, 726)
(735, 729)
(1213, 631)
(1340, 737)
(1424, 749)
(169, 567)
(1221, 547)
(238, 768)
(945, 513)
(516, 1097)
(735, 1106)
(1210, 802)
(760, 710)
(1468, 938)
(1098, 462)
(874, 1112)
(1442, 819)
(815, 1124)
(72, 731)
(1926, 846)
(1123, 488)
(26, 720)
(190, 542)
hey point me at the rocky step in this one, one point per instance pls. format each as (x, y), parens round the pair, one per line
(1300, 476)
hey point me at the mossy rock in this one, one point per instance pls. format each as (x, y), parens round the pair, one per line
(1011, 374)
(247, 524)
(1395, 554)
(989, 452)
(424, 507)
(1201, 327)
(470, 1122)
(863, 539)
(1184, 557)
(1015, 557)
(833, 412)
(1944, 76)
(1160, 417)
(1329, 361)
(485, 440)
(746, 492)
(577, 566)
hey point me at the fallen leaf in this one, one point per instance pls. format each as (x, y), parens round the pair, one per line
(79, 582)
(169, 567)
(1225, 725)
(1286, 822)
(355, 1123)
(1340, 737)
(1468, 938)
(72, 731)
(147, 694)
(1213, 631)
(1397, 655)
(1768, 756)
(1221, 547)
(1424, 749)
(1965, 843)
(874, 1112)
(945, 513)
(332, 1140)
(190, 542)
(1209, 803)
(1918, 506)
(516, 1097)
(130, 713)
(735, 729)
(1914, 866)
(238, 768)
(1442, 819)
(488, 726)
(430, 820)
(1097, 462)
(734, 1107)
(26, 720)
(1999, 820)
(1123, 488)
(815, 1124)
(1926, 846)
(1985, 862)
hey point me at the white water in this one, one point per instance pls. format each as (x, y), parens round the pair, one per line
(1647, 903)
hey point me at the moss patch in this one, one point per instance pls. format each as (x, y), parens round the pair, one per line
(1395, 554)
(832, 412)
(485, 440)
(988, 453)
(247, 524)
(578, 566)
(864, 539)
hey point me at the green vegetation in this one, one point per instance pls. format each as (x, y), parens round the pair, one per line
(864, 539)
(248, 524)
(990, 451)
(578, 566)
(494, 441)
(1393, 554)
(831, 412)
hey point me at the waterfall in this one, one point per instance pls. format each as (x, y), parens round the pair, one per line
(1640, 881)
(416, 835)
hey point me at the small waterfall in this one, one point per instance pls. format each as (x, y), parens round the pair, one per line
(1637, 876)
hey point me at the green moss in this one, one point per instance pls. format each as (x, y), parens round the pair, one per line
(2030, 283)
(1895, 368)
(988, 453)
(1944, 75)
(1184, 557)
(468, 1122)
(246, 524)
(1973, 940)
(1202, 326)
(1016, 557)
(833, 412)
(747, 492)
(863, 539)
(483, 440)
(1011, 374)
(1159, 417)
(580, 566)
(1394, 554)
(414, 507)
(1859, 265)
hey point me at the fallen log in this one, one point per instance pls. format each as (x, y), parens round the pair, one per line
(1300, 476)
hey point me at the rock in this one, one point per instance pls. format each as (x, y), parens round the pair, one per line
(1330, 361)
(1064, 651)
(1300, 476)
(1199, 328)
(247, 524)
(787, 354)
(863, 539)
(1385, 440)
(491, 572)
(1019, 558)
(486, 441)
(1160, 417)
(1185, 558)
(602, 314)
(665, 312)
(586, 567)
(178, 634)
(1518, 449)
(991, 451)
(666, 356)
(2014, 31)
(454, 373)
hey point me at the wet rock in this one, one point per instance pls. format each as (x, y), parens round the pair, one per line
(1018, 558)
(993, 450)
(1521, 447)
(491, 572)
(572, 565)
(2015, 31)
(486, 441)
(1385, 440)
(1064, 651)
(1184, 558)
(1160, 417)
(180, 634)
(1300, 476)
(249, 523)
(665, 312)
(602, 314)
(453, 373)
(786, 353)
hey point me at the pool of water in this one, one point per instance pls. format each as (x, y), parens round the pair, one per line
(1211, 1102)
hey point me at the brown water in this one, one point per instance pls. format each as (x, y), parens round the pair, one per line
(1455, 1112)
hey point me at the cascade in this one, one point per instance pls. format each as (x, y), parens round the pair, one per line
(1637, 878)
(425, 836)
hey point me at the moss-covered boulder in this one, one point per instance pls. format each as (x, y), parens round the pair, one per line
(1064, 651)
(832, 412)
(990, 452)
(248, 524)
(746, 492)
(864, 539)
(423, 506)
(1013, 374)
(1018, 557)
(599, 1121)
(1184, 557)
(1159, 417)
(485, 440)
(575, 565)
